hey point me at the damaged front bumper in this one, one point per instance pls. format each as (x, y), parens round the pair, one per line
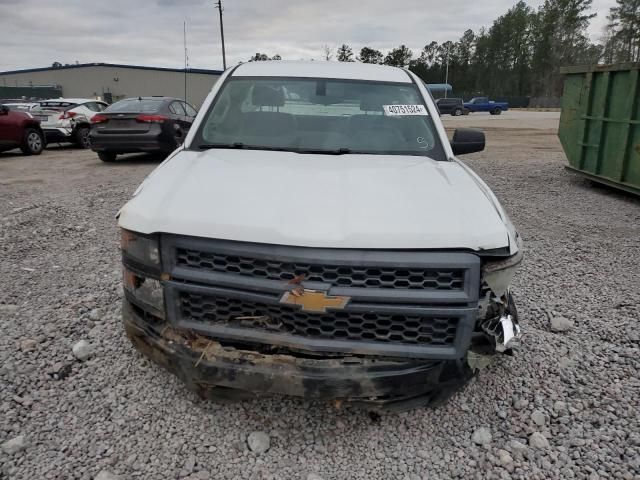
(232, 335)
(216, 371)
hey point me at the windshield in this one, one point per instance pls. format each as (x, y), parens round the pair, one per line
(133, 105)
(309, 115)
(56, 106)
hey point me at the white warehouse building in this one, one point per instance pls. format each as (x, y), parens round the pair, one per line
(112, 82)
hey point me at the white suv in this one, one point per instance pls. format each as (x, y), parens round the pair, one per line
(317, 236)
(68, 119)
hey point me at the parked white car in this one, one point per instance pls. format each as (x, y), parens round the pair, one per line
(317, 236)
(68, 119)
(22, 106)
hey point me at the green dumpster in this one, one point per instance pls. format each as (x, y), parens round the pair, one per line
(600, 123)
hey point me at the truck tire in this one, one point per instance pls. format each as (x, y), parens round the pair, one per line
(82, 137)
(33, 142)
(457, 112)
(496, 111)
(107, 157)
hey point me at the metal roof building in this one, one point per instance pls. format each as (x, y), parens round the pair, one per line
(112, 82)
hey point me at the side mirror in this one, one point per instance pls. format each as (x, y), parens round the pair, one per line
(4, 109)
(467, 140)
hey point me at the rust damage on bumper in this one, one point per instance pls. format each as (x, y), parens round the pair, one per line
(217, 371)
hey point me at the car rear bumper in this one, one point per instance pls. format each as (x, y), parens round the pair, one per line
(57, 134)
(212, 369)
(131, 143)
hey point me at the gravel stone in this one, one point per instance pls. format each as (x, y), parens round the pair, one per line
(259, 442)
(539, 418)
(314, 476)
(505, 458)
(190, 464)
(520, 403)
(82, 350)
(15, 445)
(481, 436)
(537, 440)
(8, 308)
(28, 345)
(561, 324)
(559, 406)
(517, 446)
(127, 416)
(107, 475)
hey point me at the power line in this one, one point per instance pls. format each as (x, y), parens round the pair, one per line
(224, 55)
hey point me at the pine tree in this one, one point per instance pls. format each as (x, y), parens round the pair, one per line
(345, 54)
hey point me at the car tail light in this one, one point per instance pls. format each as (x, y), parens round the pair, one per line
(151, 118)
(99, 119)
(67, 115)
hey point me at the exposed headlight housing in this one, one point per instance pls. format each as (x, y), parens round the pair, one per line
(142, 271)
(497, 274)
(142, 250)
(147, 292)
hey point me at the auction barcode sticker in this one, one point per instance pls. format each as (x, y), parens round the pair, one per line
(404, 110)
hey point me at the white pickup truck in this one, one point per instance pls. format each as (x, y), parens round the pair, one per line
(317, 236)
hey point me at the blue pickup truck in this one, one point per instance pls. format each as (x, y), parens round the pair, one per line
(483, 104)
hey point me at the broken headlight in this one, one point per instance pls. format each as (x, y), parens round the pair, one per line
(141, 272)
(498, 273)
(140, 249)
(147, 292)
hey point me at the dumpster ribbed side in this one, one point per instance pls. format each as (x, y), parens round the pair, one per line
(600, 123)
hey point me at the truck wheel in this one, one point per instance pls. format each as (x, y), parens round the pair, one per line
(82, 137)
(107, 156)
(33, 143)
(457, 112)
(496, 111)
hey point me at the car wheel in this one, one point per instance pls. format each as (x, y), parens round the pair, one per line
(33, 142)
(457, 112)
(107, 156)
(179, 138)
(82, 137)
(496, 111)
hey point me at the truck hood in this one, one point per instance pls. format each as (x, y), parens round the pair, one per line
(341, 201)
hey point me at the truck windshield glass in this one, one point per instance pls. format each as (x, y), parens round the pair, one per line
(312, 115)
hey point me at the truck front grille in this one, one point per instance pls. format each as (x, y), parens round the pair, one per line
(396, 303)
(340, 275)
(346, 325)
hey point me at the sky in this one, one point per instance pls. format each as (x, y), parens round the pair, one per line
(36, 33)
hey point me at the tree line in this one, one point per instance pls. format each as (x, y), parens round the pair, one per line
(520, 54)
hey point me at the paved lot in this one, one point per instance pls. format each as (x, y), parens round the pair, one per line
(580, 390)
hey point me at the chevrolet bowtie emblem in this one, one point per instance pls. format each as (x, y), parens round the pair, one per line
(315, 301)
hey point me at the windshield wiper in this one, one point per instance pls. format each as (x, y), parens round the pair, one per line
(207, 146)
(242, 146)
(338, 151)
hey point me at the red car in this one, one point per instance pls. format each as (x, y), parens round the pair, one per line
(20, 130)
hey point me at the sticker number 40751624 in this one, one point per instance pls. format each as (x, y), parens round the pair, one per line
(404, 110)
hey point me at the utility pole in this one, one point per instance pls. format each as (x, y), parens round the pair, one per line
(186, 59)
(224, 55)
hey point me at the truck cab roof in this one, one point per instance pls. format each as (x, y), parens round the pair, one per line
(342, 70)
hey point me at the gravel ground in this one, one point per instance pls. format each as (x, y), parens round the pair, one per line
(565, 406)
